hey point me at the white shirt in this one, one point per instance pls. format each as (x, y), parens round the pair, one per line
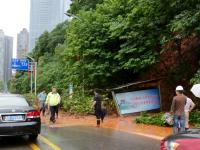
(189, 104)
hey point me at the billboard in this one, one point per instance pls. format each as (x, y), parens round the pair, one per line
(137, 101)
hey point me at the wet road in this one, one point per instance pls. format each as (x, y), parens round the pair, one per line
(81, 138)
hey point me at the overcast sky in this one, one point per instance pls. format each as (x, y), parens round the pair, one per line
(14, 16)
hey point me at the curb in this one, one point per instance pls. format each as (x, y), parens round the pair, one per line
(138, 133)
(130, 132)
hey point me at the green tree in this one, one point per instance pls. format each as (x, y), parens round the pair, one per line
(78, 5)
(47, 42)
(22, 82)
(111, 42)
(41, 47)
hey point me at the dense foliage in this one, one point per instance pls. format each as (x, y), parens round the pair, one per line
(31, 100)
(77, 5)
(157, 119)
(78, 104)
(194, 117)
(109, 42)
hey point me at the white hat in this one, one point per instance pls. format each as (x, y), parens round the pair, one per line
(179, 88)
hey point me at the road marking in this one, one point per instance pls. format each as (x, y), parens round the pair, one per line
(149, 136)
(46, 141)
(145, 135)
(34, 146)
(137, 133)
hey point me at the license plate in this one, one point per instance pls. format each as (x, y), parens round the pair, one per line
(13, 118)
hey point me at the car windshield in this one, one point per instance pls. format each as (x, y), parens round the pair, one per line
(13, 101)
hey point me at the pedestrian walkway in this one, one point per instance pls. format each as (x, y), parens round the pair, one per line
(125, 124)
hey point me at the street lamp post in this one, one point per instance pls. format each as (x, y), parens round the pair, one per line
(31, 69)
(73, 16)
(83, 74)
(33, 64)
(35, 78)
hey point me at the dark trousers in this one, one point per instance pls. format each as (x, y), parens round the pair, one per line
(98, 114)
(103, 114)
(42, 110)
(53, 110)
(57, 109)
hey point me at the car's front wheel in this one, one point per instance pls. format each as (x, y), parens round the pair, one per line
(33, 137)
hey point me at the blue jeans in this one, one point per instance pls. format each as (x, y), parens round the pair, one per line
(179, 124)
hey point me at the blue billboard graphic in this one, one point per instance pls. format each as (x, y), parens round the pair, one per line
(138, 101)
(20, 64)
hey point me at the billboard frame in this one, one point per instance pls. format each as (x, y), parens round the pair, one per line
(117, 106)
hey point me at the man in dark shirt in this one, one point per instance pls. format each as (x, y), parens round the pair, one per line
(177, 108)
(97, 106)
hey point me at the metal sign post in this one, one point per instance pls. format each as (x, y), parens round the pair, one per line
(35, 78)
(31, 71)
(34, 65)
(24, 64)
(31, 77)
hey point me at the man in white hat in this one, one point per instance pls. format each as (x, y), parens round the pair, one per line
(178, 109)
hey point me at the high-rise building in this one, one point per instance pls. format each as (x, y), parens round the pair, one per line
(8, 57)
(22, 43)
(2, 51)
(44, 16)
(6, 52)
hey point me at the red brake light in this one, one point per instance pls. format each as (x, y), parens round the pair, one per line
(33, 114)
(163, 145)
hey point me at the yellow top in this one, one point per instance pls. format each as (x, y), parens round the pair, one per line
(53, 99)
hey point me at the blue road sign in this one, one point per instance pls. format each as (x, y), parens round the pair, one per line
(20, 64)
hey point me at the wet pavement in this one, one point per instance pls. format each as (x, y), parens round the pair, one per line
(13, 143)
(81, 138)
(125, 123)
